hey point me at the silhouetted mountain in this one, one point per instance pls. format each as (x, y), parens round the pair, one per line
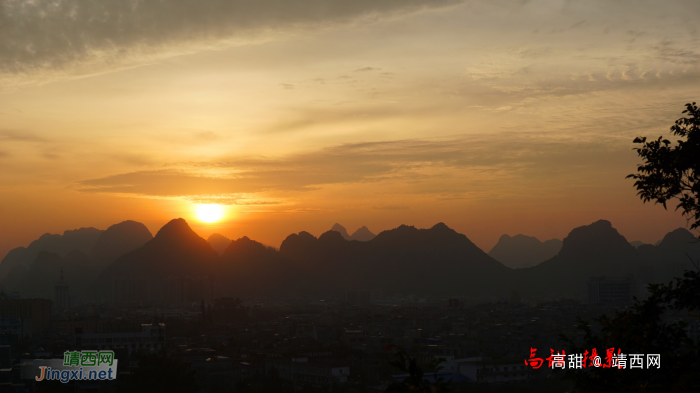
(524, 251)
(117, 240)
(14, 276)
(595, 249)
(637, 243)
(249, 267)
(82, 239)
(341, 229)
(175, 251)
(405, 259)
(363, 234)
(45, 271)
(678, 238)
(219, 242)
(296, 247)
(671, 256)
(12, 259)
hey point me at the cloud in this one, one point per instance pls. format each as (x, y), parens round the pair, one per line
(17, 136)
(669, 51)
(45, 38)
(390, 207)
(367, 69)
(208, 136)
(458, 164)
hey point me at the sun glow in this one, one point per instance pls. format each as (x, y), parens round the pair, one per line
(209, 213)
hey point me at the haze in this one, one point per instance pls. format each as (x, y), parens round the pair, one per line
(490, 116)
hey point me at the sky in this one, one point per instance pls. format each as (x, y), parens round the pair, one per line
(494, 117)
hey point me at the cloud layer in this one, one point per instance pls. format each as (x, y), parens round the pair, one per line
(446, 168)
(43, 38)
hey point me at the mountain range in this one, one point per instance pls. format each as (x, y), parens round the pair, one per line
(363, 234)
(405, 260)
(524, 251)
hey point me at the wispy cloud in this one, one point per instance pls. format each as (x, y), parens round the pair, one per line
(19, 136)
(391, 207)
(421, 165)
(45, 38)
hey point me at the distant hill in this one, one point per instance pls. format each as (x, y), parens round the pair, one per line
(362, 234)
(176, 250)
(341, 229)
(671, 256)
(637, 243)
(45, 271)
(11, 260)
(524, 251)
(589, 250)
(405, 259)
(219, 242)
(82, 239)
(117, 240)
(248, 267)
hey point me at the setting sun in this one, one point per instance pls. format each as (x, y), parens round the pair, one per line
(209, 213)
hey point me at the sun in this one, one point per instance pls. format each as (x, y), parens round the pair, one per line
(209, 213)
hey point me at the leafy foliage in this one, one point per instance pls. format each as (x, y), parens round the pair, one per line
(416, 381)
(642, 330)
(670, 172)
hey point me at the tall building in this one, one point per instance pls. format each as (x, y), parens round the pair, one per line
(61, 295)
(606, 290)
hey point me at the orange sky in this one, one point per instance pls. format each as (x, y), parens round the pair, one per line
(491, 116)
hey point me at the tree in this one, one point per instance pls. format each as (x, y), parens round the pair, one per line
(640, 330)
(673, 171)
(668, 172)
(416, 381)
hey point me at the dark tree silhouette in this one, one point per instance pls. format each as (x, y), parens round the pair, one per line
(673, 171)
(668, 172)
(416, 380)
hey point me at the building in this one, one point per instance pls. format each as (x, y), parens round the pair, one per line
(13, 329)
(70, 326)
(363, 297)
(130, 290)
(34, 313)
(150, 337)
(61, 296)
(301, 371)
(606, 290)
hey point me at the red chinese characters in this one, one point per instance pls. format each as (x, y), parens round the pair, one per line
(533, 361)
